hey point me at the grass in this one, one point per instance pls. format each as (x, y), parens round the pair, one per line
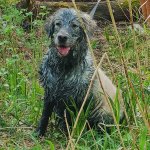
(21, 95)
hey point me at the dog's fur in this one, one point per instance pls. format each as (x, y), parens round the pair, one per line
(65, 75)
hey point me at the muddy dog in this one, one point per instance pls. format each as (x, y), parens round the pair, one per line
(67, 69)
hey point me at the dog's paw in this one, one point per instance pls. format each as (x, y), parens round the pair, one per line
(39, 132)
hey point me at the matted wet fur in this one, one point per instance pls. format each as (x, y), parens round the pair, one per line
(67, 69)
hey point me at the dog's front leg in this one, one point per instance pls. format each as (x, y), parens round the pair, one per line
(47, 111)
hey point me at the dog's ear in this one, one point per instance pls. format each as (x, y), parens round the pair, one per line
(89, 23)
(49, 26)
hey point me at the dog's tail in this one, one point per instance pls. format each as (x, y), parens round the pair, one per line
(94, 9)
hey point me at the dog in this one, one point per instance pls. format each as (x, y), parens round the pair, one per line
(67, 69)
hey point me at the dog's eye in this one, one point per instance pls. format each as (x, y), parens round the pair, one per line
(58, 24)
(74, 26)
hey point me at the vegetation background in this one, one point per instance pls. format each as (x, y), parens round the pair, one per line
(21, 95)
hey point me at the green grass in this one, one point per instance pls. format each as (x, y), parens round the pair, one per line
(21, 95)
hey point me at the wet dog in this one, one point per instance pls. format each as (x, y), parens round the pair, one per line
(67, 69)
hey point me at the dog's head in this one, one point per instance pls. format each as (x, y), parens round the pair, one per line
(67, 28)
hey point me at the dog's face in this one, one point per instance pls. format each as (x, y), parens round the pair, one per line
(66, 30)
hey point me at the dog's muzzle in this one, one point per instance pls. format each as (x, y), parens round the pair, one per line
(61, 44)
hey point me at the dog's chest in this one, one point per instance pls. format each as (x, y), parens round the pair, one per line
(62, 84)
(71, 86)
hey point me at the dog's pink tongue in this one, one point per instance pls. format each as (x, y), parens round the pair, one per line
(63, 50)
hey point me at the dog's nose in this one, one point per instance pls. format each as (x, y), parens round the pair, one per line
(62, 38)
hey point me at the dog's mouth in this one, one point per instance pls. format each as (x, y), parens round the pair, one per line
(63, 50)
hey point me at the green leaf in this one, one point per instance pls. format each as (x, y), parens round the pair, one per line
(142, 140)
(51, 145)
